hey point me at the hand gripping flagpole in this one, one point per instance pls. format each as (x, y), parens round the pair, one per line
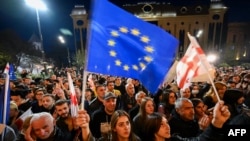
(202, 63)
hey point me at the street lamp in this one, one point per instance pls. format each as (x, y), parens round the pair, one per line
(38, 5)
(211, 58)
(62, 40)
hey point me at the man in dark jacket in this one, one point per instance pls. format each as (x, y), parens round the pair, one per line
(100, 119)
(183, 121)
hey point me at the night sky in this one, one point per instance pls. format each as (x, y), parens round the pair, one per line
(17, 16)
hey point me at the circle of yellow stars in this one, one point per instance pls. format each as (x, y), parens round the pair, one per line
(149, 50)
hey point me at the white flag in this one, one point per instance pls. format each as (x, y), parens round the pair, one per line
(19, 122)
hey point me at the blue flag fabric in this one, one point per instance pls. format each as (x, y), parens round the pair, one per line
(12, 72)
(121, 44)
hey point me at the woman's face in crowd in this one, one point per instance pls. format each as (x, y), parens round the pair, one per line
(186, 93)
(199, 109)
(123, 127)
(149, 107)
(172, 98)
(164, 131)
(39, 95)
(241, 100)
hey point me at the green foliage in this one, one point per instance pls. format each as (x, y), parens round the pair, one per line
(80, 58)
(223, 65)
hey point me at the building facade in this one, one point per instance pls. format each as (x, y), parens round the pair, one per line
(200, 19)
(238, 42)
(206, 22)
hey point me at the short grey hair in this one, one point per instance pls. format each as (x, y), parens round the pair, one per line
(138, 94)
(45, 115)
(126, 86)
(179, 102)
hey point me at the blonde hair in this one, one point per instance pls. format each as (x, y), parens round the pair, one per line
(212, 94)
(26, 123)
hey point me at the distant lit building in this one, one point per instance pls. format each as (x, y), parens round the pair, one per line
(202, 19)
(238, 42)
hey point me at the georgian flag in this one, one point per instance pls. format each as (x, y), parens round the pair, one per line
(7, 69)
(193, 66)
(73, 99)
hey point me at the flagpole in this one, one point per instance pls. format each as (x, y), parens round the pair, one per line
(7, 79)
(212, 82)
(210, 78)
(85, 74)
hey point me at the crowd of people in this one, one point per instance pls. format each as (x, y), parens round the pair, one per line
(122, 109)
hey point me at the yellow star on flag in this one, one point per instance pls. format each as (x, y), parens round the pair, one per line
(135, 67)
(114, 33)
(135, 32)
(148, 59)
(124, 29)
(112, 53)
(126, 67)
(145, 39)
(142, 65)
(149, 49)
(111, 42)
(118, 62)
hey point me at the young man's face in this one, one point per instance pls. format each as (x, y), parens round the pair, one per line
(17, 99)
(62, 110)
(47, 102)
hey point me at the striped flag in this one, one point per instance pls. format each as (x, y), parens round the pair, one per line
(7, 69)
(73, 99)
(193, 65)
(5, 97)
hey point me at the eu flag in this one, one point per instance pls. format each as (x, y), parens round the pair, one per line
(121, 44)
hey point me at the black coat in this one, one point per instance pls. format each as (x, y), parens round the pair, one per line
(183, 128)
(210, 134)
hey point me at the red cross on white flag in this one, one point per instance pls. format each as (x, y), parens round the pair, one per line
(7, 69)
(73, 99)
(193, 66)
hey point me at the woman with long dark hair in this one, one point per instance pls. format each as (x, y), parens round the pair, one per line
(121, 127)
(147, 107)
